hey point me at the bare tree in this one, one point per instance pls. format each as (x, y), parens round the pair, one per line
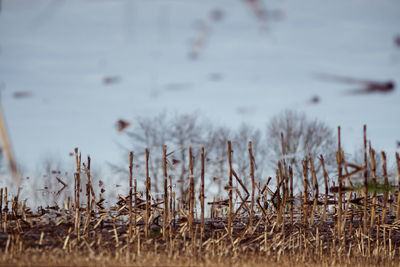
(186, 131)
(302, 137)
(217, 151)
(241, 138)
(47, 189)
(178, 132)
(54, 180)
(152, 133)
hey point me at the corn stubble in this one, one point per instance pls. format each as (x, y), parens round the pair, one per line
(267, 224)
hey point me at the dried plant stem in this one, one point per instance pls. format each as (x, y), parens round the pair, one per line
(305, 204)
(251, 159)
(171, 202)
(346, 204)
(7, 149)
(386, 181)
(278, 181)
(291, 194)
(286, 179)
(191, 192)
(365, 182)
(340, 184)
(1, 209)
(88, 186)
(398, 192)
(165, 213)
(230, 184)
(373, 173)
(5, 210)
(326, 186)
(147, 229)
(285, 174)
(282, 197)
(130, 192)
(77, 191)
(316, 188)
(138, 244)
(135, 201)
(202, 194)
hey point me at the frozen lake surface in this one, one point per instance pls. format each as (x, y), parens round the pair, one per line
(244, 68)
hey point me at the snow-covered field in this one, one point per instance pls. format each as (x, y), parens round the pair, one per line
(247, 68)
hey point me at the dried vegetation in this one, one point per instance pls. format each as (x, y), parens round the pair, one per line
(268, 223)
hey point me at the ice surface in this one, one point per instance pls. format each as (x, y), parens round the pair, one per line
(60, 52)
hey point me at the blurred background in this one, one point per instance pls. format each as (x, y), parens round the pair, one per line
(80, 73)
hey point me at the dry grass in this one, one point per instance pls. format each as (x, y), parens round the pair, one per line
(264, 225)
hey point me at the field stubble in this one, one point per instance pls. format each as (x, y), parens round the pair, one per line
(262, 225)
